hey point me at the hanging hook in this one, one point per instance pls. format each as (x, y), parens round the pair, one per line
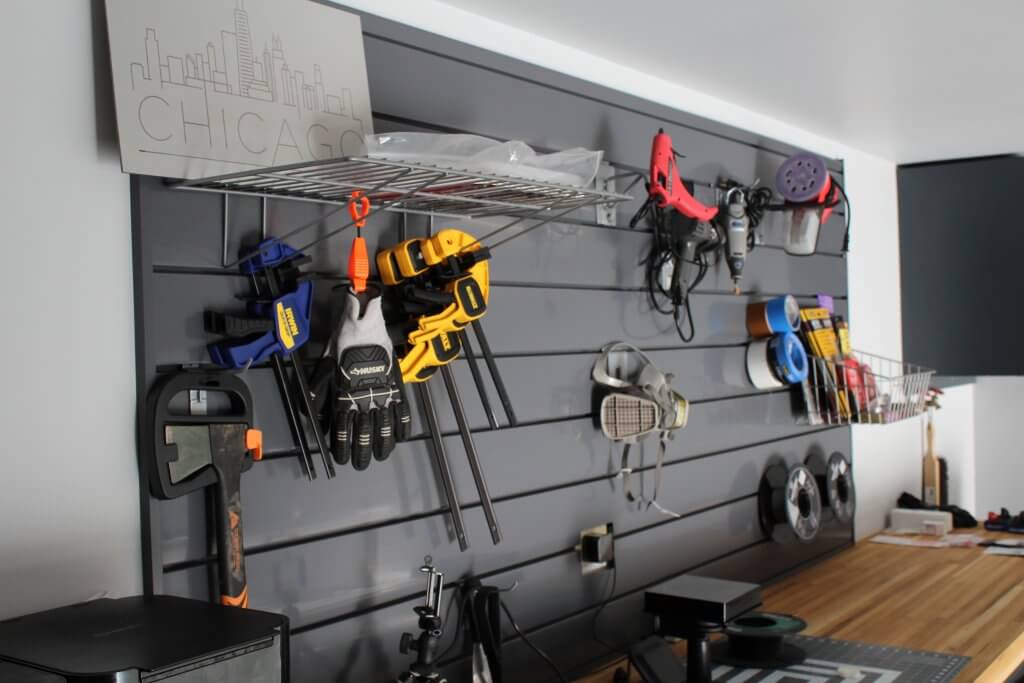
(359, 259)
(359, 209)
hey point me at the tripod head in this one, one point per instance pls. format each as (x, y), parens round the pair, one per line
(431, 629)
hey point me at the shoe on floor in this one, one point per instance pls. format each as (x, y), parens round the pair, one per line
(1016, 525)
(1000, 522)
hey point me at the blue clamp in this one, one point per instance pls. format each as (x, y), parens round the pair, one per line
(290, 314)
(270, 253)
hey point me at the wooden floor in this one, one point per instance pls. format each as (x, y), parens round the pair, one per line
(957, 601)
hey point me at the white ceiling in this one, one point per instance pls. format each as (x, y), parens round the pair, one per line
(907, 80)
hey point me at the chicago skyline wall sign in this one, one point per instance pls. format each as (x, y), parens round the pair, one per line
(207, 87)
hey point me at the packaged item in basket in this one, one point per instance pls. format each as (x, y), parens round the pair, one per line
(843, 330)
(821, 336)
(816, 325)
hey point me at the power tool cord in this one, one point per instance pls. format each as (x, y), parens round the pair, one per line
(458, 623)
(759, 200)
(540, 653)
(515, 627)
(604, 603)
(676, 298)
(661, 254)
(846, 205)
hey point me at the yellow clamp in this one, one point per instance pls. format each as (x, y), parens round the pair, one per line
(435, 341)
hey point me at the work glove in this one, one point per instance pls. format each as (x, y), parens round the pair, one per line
(369, 411)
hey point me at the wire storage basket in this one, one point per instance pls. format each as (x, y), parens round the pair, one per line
(864, 389)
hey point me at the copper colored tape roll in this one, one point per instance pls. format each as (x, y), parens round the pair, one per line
(757, 320)
(775, 316)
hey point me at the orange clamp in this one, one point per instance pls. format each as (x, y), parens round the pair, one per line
(254, 443)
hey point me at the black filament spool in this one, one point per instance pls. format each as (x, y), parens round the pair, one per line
(758, 641)
(835, 480)
(789, 504)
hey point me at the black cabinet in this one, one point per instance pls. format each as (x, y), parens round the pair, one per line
(961, 245)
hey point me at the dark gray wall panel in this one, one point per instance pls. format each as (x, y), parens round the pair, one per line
(312, 581)
(520, 319)
(642, 559)
(340, 557)
(598, 257)
(569, 642)
(571, 645)
(567, 375)
(565, 451)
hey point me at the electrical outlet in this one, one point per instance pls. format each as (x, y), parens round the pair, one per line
(596, 549)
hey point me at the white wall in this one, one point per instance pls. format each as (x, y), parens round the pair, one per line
(998, 444)
(887, 459)
(955, 429)
(69, 511)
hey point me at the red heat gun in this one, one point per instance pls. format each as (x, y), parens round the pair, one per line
(683, 237)
(667, 187)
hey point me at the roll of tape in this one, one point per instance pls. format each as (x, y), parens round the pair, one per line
(765, 624)
(775, 316)
(788, 358)
(759, 370)
(776, 362)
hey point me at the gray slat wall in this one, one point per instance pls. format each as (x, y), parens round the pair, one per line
(340, 557)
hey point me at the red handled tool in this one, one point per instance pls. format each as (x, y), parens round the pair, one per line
(358, 258)
(667, 188)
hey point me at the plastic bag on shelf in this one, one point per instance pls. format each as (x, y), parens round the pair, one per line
(575, 167)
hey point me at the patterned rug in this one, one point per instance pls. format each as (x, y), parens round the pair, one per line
(835, 661)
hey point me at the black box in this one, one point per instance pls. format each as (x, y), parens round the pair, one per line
(694, 599)
(158, 638)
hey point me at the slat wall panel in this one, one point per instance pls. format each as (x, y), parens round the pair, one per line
(340, 557)
(568, 641)
(558, 319)
(332, 578)
(566, 452)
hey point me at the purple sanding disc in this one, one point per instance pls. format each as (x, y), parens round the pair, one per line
(801, 177)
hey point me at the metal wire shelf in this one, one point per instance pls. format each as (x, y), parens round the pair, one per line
(864, 389)
(405, 186)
